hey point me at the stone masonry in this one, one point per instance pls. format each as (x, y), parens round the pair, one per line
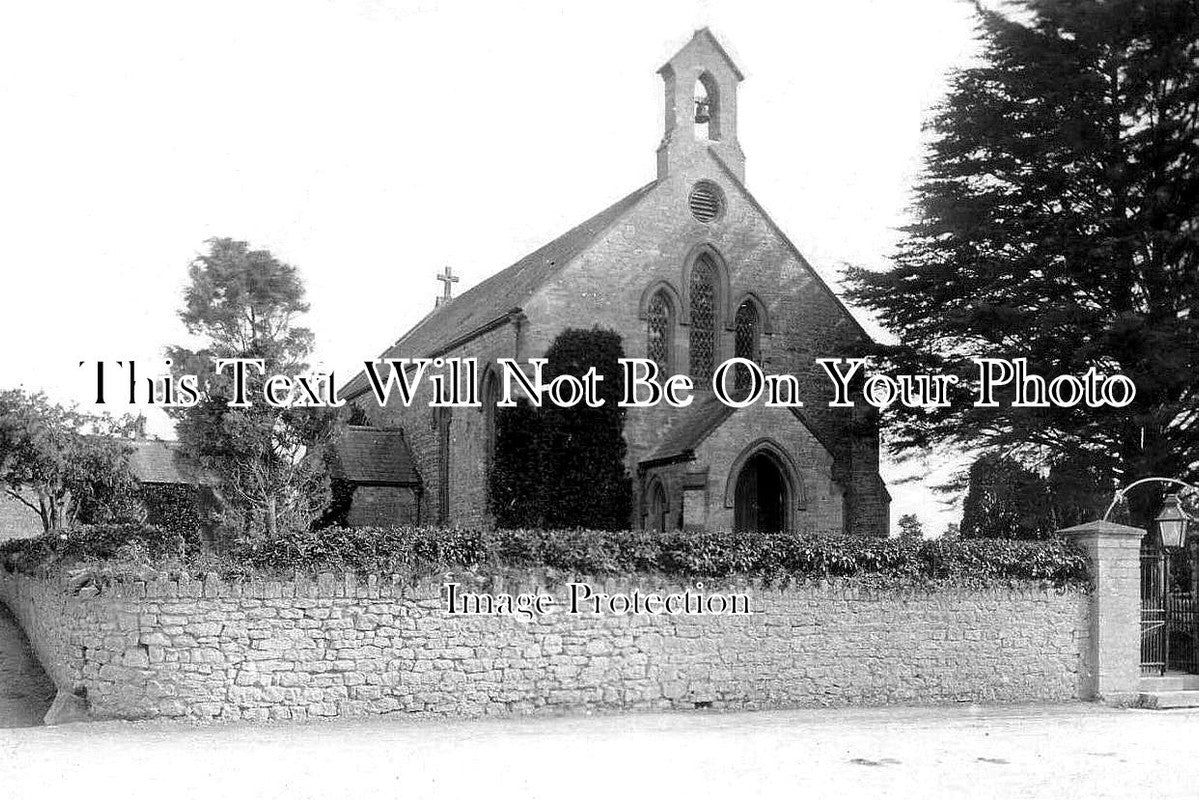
(1115, 554)
(347, 647)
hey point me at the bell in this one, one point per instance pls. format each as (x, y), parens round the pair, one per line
(703, 113)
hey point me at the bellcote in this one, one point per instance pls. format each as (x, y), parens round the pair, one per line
(701, 107)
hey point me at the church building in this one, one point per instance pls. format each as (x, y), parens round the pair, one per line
(689, 270)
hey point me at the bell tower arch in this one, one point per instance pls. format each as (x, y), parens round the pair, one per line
(701, 107)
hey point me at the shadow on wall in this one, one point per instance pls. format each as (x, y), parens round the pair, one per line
(26, 692)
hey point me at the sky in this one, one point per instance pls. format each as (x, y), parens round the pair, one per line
(373, 143)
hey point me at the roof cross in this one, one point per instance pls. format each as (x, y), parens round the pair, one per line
(448, 278)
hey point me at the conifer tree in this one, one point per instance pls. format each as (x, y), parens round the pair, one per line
(1058, 220)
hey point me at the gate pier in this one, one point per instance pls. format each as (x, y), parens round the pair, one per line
(1113, 671)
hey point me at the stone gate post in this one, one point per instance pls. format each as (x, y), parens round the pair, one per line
(1115, 629)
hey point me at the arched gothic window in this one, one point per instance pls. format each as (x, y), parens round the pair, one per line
(659, 334)
(703, 319)
(491, 396)
(746, 342)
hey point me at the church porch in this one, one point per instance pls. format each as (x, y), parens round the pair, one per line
(751, 469)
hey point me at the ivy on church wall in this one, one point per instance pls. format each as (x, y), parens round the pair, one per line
(565, 467)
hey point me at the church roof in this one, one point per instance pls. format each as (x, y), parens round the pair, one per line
(500, 294)
(374, 456)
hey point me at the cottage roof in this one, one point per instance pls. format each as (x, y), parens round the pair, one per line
(159, 461)
(376, 456)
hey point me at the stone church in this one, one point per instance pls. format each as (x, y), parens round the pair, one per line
(690, 270)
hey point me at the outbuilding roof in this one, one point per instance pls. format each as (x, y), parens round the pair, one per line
(377, 456)
(159, 461)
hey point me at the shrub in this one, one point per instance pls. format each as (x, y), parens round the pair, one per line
(145, 544)
(565, 467)
(172, 507)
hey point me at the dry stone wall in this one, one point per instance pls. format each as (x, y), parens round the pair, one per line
(345, 647)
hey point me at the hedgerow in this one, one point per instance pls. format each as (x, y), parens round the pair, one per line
(418, 552)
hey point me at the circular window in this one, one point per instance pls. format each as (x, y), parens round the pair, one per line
(706, 201)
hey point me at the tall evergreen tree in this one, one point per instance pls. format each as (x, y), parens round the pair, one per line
(516, 478)
(1058, 220)
(584, 447)
(244, 303)
(565, 467)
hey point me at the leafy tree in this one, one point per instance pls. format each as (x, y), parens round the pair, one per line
(1079, 491)
(910, 528)
(1006, 501)
(65, 465)
(244, 303)
(565, 467)
(952, 532)
(1057, 221)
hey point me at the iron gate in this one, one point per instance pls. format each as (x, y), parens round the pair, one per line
(1169, 613)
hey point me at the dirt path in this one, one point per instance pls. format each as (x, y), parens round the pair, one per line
(1071, 751)
(25, 691)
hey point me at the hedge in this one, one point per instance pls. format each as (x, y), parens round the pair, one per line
(99, 543)
(420, 552)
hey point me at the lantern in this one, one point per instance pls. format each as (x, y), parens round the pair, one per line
(1172, 522)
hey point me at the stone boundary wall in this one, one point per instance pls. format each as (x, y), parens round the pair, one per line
(342, 647)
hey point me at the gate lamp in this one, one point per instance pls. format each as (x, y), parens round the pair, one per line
(1172, 522)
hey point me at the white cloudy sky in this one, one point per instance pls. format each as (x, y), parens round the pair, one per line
(371, 143)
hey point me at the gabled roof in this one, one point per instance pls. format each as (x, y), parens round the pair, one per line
(158, 461)
(706, 34)
(374, 456)
(703, 417)
(500, 294)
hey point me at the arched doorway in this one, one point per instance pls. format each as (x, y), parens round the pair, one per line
(760, 501)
